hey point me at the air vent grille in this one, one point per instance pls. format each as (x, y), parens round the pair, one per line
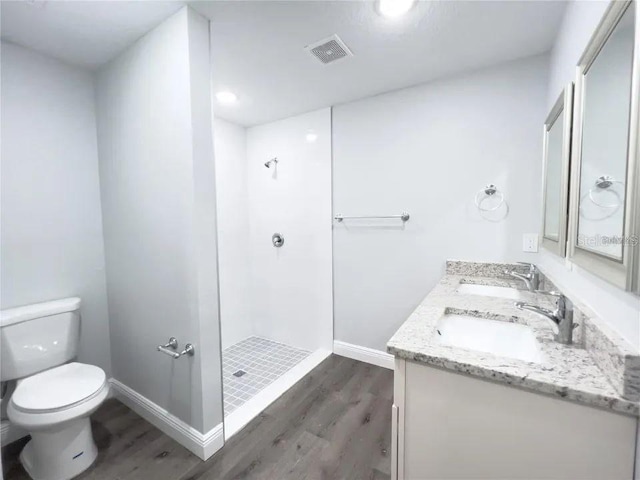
(329, 50)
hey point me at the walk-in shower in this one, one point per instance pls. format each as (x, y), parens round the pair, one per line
(275, 303)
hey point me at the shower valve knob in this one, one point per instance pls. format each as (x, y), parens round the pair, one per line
(277, 239)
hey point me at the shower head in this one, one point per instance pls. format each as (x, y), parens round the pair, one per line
(274, 160)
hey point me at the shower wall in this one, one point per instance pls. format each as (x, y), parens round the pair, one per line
(286, 295)
(292, 286)
(230, 152)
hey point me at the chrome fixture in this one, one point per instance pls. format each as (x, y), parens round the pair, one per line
(562, 316)
(531, 279)
(277, 239)
(604, 183)
(274, 160)
(486, 193)
(404, 216)
(171, 346)
(189, 350)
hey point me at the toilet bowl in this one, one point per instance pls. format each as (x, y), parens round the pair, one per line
(54, 407)
(53, 398)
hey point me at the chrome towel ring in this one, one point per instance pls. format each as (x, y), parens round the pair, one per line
(604, 184)
(486, 193)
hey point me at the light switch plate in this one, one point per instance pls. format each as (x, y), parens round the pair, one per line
(530, 242)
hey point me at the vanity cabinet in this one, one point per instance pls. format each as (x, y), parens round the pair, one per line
(448, 425)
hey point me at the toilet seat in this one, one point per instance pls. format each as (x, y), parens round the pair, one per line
(59, 388)
(57, 396)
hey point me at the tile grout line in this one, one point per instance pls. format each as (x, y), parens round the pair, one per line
(263, 360)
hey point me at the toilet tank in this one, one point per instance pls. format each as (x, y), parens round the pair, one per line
(37, 337)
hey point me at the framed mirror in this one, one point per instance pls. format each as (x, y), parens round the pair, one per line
(604, 212)
(556, 163)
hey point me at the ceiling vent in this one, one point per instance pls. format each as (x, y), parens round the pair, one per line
(329, 49)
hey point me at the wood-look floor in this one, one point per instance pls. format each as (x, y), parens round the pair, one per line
(335, 423)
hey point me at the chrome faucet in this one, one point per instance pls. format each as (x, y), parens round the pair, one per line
(531, 279)
(562, 316)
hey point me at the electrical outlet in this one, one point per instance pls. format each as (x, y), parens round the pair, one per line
(530, 242)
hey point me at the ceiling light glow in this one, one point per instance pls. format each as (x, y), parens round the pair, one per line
(394, 8)
(311, 137)
(226, 97)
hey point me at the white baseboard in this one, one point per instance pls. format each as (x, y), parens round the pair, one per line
(364, 354)
(10, 433)
(204, 445)
(237, 419)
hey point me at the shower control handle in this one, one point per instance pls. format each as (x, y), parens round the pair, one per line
(277, 239)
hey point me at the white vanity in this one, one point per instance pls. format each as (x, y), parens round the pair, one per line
(500, 398)
(487, 388)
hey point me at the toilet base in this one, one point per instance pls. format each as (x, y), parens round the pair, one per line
(61, 453)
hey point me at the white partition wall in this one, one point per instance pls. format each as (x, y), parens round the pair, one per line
(158, 202)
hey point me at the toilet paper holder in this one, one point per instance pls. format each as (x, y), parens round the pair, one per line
(170, 348)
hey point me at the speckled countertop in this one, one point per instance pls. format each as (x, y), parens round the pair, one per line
(569, 372)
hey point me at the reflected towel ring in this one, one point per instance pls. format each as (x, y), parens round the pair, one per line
(488, 192)
(603, 184)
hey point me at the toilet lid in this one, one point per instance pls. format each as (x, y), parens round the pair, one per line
(59, 387)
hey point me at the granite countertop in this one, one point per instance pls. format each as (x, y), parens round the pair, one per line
(566, 371)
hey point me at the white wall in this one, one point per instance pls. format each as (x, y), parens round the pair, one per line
(52, 244)
(207, 373)
(579, 22)
(158, 199)
(428, 150)
(291, 288)
(233, 232)
(615, 306)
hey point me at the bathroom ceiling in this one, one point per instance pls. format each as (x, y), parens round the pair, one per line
(85, 33)
(258, 48)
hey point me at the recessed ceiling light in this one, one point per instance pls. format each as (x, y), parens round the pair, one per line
(225, 97)
(394, 8)
(311, 137)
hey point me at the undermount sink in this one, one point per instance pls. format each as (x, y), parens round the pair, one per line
(502, 339)
(489, 291)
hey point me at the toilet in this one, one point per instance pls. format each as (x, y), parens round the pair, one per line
(53, 398)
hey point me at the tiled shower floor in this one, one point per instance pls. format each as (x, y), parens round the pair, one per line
(262, 360)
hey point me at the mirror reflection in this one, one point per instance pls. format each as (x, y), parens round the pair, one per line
(607, 99)
(553, 180)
